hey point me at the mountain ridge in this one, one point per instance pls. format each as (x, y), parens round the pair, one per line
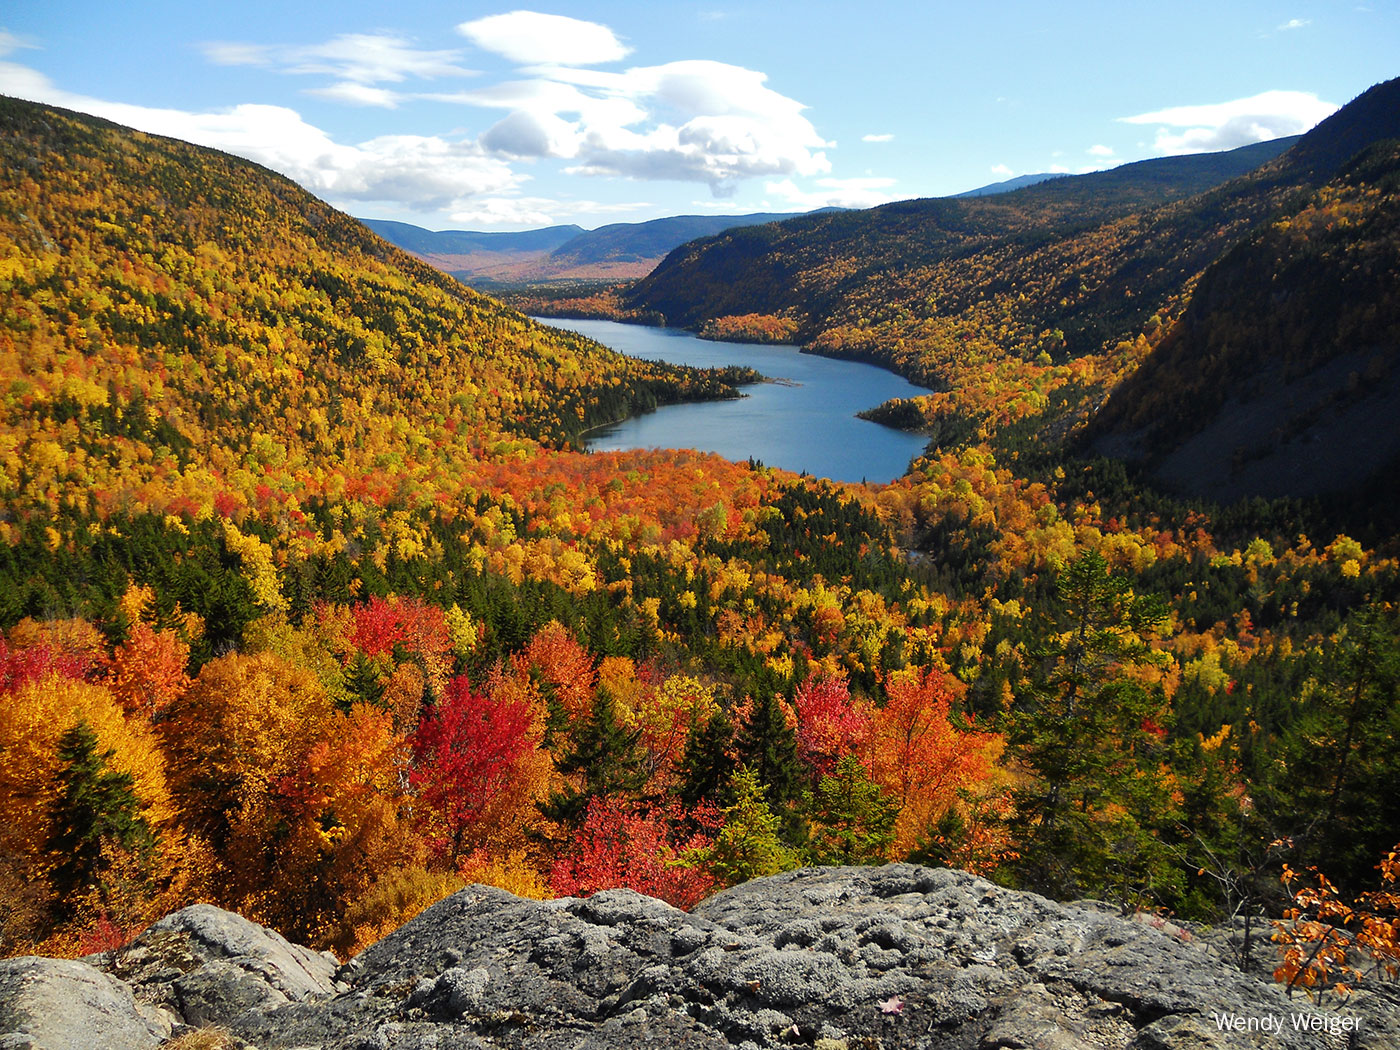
(1041, 300)
(613, 251)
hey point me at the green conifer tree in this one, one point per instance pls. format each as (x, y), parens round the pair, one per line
(602, 759)
(1090, 733)
(706, 766)
(767, 745)
(97, 808)
(849, 818)
(748, 846)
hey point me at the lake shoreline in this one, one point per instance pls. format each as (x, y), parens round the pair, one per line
(802, 348)
(800, 416)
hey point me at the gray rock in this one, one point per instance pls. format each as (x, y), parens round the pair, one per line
(205, 966)
(835, 958)
(65, 1004)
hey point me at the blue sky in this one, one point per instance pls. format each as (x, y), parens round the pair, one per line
(490, 116)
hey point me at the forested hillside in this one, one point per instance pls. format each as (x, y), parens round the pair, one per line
(1025, 308)
(309, 609)
(1281, 375)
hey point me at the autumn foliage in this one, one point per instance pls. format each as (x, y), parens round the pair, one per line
(310, 608)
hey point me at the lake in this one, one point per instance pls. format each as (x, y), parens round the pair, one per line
(804, 422)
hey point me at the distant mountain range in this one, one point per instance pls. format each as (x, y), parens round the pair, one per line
(1036, 245)
(629, 250)
(620, 250)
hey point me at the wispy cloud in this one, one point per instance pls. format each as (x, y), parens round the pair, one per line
(10, 42)
(357, 58)
(1100, 151)
(1001, 170)
(877, 138)
(359, 94)
(531, 38)
(1226, 125)
(1294, 23)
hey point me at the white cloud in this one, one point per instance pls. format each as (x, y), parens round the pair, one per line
(1100, 151)
(1002, 170)
(531, 38)
(425, 173)
(527, 134)
(1226, 125)
(1295, 23)
(359, 58)
(506, 211)
(877, 138)
(697, 121)
(692, 121)
(834, 193)
(545, 102)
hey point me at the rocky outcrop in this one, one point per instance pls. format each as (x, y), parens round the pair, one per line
(48, 1004)
(205, 966)
(830, 958)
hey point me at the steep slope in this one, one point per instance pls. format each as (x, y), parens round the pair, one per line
(1019, 310)
(813, 267)
(1282, 377)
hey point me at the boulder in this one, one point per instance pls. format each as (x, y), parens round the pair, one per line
(206, 966)
(65, 1004)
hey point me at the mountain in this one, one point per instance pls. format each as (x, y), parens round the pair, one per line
(645, 243)
(865, 956)
(961, 250)
(465, 242)
(1282, 376)
(237, 310)
(1021, 310)
(1007, 185)
(617, 251)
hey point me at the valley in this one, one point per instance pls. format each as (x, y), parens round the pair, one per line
(316, 606)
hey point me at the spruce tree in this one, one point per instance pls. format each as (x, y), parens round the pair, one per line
(97, 807)
(1088, 730)
(706, 766)
(748, 846)
(362, 683)
(767, 746)
(851, 821)
(602, 758)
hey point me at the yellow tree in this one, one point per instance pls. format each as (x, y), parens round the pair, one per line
(35, 720)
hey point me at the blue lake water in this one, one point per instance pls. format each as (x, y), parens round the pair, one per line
(805, 422)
